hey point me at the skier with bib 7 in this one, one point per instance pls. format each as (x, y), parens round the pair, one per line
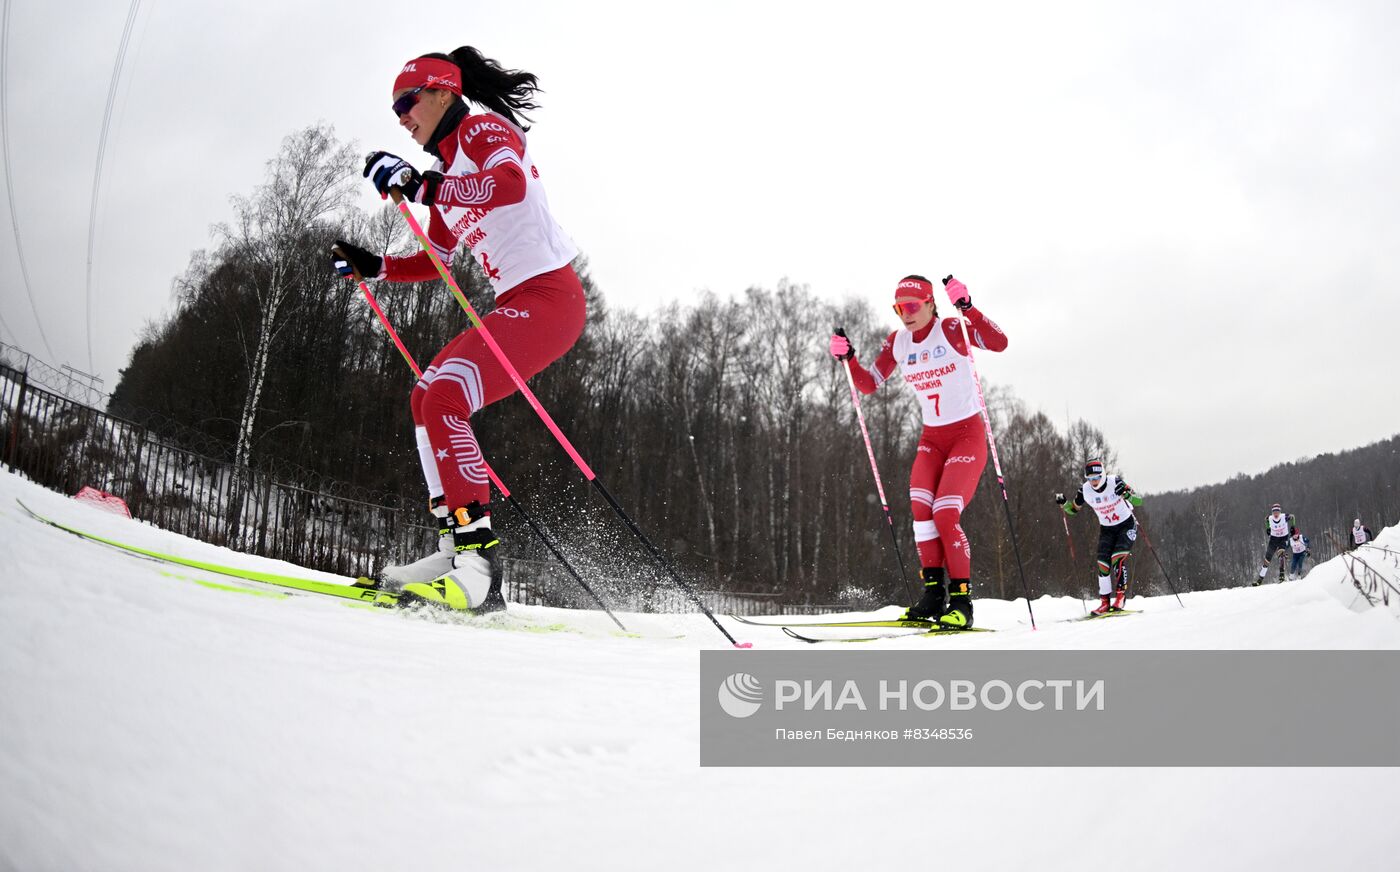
(933, 360)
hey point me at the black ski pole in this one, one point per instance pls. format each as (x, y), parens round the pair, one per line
(1072, 559)
(1148, 539)
(996, 463)
(545, 417)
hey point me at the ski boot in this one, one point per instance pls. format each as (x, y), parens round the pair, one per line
(439, 563)
(933, 603)
(959, 613)
(1105, 606)
(473, 582)
(1120, 583)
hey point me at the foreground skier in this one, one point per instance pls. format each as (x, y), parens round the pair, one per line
(483, 187)
(1112, 500)
(933, 360)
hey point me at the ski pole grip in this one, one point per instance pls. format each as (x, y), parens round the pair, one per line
(947, 280)
(839, 331)
(338, 252)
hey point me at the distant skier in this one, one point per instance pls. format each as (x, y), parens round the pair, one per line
(932, 359)
(1112, 500)
(1280, 527)
(484, 189)
(1299, 544)
(1360, 535)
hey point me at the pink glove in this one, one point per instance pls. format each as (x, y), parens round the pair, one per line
(957, 293)
(841, 348)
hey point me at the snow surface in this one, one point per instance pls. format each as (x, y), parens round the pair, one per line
(151, 722)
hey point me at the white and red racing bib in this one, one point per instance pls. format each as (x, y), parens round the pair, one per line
(1111, 508)
(940, 376)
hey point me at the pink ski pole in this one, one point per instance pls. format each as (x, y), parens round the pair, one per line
(875, 470)
(544, 416)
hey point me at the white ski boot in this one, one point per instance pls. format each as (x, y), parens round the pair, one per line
(472, 581)
(393, 578)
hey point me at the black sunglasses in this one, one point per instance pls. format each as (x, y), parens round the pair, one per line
(407, 102)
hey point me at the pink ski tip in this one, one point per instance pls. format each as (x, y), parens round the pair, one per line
(743, 644)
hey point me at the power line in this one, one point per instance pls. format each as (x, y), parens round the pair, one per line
(9, 183)
(8, 329)
(97, 172)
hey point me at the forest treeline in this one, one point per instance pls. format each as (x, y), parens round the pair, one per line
(721, 424)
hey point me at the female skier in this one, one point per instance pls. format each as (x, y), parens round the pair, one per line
(1112, 500)
(934, 361)
(484, 189)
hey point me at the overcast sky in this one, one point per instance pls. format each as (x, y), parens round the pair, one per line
(1185, 215)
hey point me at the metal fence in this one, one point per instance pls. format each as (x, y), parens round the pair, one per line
(64, 445)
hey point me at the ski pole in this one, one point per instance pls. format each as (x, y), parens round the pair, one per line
(500, 485)
(544, 416)
(1072, 559)
(1148, 539)
(875, 470)
(1069, 538)
(996, 462)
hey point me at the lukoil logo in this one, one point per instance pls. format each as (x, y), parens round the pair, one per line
(740, 695)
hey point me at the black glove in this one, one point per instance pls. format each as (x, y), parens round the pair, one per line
(349, 259)
(385, 171)
(1060, 499)
(1121, 488)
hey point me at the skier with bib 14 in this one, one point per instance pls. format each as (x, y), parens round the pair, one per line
(1112, 501)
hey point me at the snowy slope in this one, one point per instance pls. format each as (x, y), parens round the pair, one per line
(148, 721)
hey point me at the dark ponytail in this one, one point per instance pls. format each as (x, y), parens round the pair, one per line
(486, 83)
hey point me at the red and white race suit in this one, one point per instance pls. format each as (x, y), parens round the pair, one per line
(952, 449)
(491, 198)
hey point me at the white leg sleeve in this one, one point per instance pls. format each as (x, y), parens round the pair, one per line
(429, 463)
(924, 531)
(1105, 585)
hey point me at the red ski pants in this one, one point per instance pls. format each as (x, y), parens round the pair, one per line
(946, 470)
(534, 323)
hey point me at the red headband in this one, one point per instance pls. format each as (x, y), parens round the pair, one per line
(913, 289)
(429, 73)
